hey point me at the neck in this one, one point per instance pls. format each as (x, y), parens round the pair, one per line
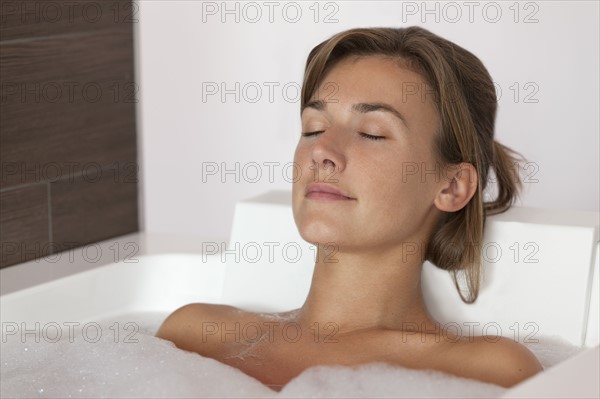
(360, 290)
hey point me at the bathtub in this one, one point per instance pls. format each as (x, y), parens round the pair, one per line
(540, 279)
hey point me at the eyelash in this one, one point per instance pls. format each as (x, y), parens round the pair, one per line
(363, 135)
(371, 137)
(309, 134)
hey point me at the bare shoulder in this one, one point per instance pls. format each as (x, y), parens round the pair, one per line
(190, 326)
(499, 360)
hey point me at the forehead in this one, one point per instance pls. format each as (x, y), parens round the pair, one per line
(377, 71)
(365, 79)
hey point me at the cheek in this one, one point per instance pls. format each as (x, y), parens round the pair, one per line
(300, 163)
(296, 170)
(300, 173)
(302, 152)
(398, 191)
(296, 166)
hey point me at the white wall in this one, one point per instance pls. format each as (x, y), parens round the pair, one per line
(182, 46)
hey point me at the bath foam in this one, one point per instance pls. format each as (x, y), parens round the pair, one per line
(382, 380)
(152, 367)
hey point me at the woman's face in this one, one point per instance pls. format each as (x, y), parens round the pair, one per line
(391, 180)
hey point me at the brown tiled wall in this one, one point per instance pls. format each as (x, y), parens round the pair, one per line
(67, 125)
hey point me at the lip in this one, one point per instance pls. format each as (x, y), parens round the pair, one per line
(326, 192)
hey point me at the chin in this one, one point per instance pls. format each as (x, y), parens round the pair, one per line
(319, 233)
(315, 226)
(315, 233)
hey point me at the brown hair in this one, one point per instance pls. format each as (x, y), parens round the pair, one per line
(466, 102)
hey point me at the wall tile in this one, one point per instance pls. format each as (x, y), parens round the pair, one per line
(94, 207)
(67, 102)
(34, 18)
(67, 128)
(24, 232)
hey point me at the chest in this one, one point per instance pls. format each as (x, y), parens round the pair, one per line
(278, 362)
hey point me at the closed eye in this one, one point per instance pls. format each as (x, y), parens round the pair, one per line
(308, 134)
(363, 135)
(371, 137)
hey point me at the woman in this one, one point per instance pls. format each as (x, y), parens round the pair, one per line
(397, 140)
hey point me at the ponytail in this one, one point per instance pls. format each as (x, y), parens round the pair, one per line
(506, 167)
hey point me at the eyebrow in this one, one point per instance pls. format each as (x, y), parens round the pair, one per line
(363, 108)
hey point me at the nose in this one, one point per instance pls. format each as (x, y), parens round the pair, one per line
(328, 154)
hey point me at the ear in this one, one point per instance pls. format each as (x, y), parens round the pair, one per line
(459, 185)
